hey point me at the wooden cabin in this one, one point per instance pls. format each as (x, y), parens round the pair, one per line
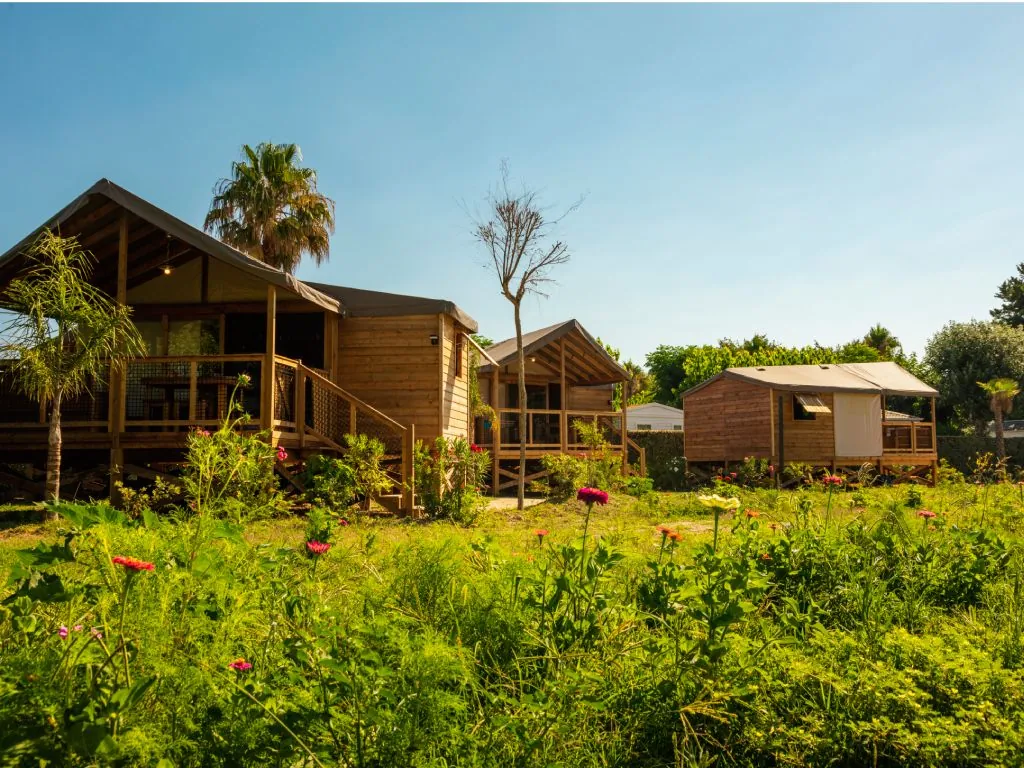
(324, 360)
(823, 415)
(570, 377)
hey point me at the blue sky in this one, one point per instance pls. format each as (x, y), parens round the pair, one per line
(801, 171)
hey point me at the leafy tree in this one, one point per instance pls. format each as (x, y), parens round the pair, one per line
(483, 341)
(1011, 294)
(881, 338)
(63, 333)
(639, 380)
(858, 352)
(1001, 393)
(271, 209)
(517, 237)
(962, 354)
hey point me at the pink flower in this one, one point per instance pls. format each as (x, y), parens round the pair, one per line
(927, 514)
(342, 521)
(63, 632)
(282, 454)
(771, 469)
(732, 475)
(202, 432)
(132, 564)
(240, 665)
(317, 548)
(77, 628)
(832, 480)
(592, 496)
(96, 633)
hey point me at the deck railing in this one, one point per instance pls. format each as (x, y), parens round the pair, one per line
(545, 428)
(907, 437)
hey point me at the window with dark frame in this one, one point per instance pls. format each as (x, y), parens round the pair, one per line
(799, 412)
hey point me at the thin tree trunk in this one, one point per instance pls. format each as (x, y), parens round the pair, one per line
(997, 411)
(54, 443)
(521, 487)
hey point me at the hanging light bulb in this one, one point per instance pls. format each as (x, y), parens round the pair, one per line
(167, 268)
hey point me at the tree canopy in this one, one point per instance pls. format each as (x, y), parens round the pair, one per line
(962, 354)
(1011, 295)
(271, 209)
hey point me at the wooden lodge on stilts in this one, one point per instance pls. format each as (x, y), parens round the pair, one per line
(324, 361)
(570, 377)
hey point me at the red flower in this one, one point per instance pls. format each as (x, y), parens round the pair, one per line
(927, 514)
(592, 496)
(476, 448)
(240, 665)
(766, 556)
(732, 475)
(202, 432)
(132, 564)
(282, 454)
(664, 530)
(727, 479)
(540, 533)
(317, 548)
(753, 513)
(342, 521)
(675, 536)
(832, 480)
(771, 469)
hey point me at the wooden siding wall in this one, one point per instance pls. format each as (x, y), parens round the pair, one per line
(807, 441)
(455, 416)
(590, 398)
(728, 420)
(390, 363)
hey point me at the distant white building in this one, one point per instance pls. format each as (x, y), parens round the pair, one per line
(655, 417)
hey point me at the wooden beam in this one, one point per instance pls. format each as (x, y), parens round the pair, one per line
(625, 435)
(495, 430)
(116, 395)
(269, 384)
(440, 374)
(563, 418)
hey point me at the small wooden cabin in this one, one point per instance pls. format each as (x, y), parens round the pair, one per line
(569, 377)
(823, 415)
(324, 360)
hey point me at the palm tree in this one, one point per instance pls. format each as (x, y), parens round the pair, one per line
(879, 337)
(1001, 393)
(271, 209)
(64, 333)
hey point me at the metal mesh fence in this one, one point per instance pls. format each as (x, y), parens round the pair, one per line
(284, 392)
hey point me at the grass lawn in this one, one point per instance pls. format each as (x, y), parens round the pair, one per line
(861, 630)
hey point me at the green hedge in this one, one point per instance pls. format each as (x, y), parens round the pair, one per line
(960, 451)
(665, 463)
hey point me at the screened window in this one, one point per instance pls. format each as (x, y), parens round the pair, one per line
(643, 427)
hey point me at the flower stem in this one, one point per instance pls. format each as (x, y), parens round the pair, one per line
(120, 628)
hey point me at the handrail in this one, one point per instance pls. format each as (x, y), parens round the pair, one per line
(554, 411)
(325, 382)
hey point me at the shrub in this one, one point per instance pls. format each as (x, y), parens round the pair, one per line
(363, 458)
(329, 482)
(449, 479)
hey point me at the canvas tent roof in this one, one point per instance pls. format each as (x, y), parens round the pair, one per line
(171, 225)
(587, 361)
(885, 378)
(358, 302)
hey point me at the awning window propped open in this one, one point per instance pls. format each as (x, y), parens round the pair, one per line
(812, 403)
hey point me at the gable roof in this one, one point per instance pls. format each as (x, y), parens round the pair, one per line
(186, 233)
(359, 302)
(603, 369)
(869, 378)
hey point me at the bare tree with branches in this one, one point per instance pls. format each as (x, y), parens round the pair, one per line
(522, 251)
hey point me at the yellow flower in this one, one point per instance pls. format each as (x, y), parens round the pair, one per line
(719, 502)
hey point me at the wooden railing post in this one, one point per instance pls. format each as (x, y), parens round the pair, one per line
(193, 389)
(913, 438)
(300, 404)
(409, 469)
(267, 377)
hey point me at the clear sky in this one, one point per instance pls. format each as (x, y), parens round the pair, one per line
(801, 171)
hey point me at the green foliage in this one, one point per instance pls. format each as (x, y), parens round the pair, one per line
(962, 354)
(450, 477)
(596, 468)
(230, 472)
(885, 638)
(329, 482)
(664, 454)
(364, 456)
(1011, 295)
(271, 209)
